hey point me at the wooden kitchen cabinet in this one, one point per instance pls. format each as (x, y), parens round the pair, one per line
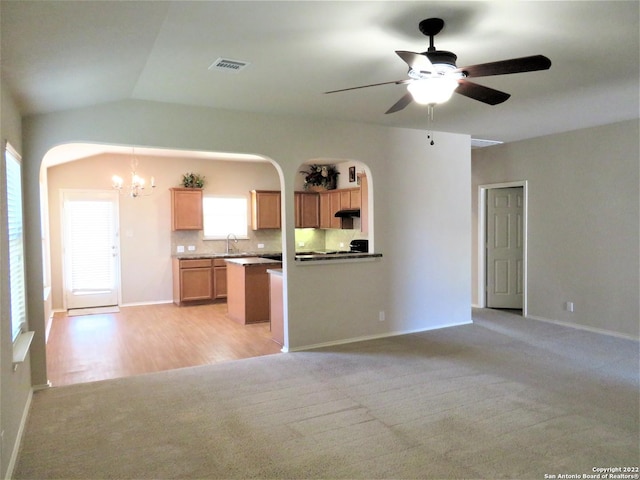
(335, 200)
(248, 298)
(265, 209)
(219, 278)
(186, 209)
(275, 305)
(307, 209)
(192, 280)
(364, 203)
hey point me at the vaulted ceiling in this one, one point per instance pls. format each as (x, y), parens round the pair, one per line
(59, 55)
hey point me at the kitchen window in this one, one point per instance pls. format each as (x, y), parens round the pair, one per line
(224, 215)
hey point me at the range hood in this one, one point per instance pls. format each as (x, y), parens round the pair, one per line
(348, 213)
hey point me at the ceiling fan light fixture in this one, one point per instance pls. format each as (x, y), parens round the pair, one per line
(432, 90)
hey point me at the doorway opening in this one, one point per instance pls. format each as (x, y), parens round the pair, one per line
(502, 246)
(165, 336)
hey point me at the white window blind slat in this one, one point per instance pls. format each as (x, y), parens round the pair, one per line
(16, 244)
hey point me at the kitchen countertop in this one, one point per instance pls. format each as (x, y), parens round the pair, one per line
(275, 271)
(250, 261)
(196, 255)
(300, 256)
(336, 256)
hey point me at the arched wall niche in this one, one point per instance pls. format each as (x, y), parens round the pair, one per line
(350, 175)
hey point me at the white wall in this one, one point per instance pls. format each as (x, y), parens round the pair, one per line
(584, 227)
(330, 302)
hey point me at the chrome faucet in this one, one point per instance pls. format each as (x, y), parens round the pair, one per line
(235, 240)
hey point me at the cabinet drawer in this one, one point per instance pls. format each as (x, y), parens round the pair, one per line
(202, 262)
(219, 262)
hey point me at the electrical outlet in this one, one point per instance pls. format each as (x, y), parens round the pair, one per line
(568, 306)
(341, 244)
(180, 249)
(301, 244)
(191, 248)
(261, 245)
(381, 316)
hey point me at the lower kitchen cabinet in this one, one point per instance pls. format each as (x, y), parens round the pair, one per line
(219, 278)
(192, 280)
(275, 305)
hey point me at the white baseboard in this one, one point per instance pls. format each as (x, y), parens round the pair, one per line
(587, 328)
(140, 304)
(374, 337)
(18, 442)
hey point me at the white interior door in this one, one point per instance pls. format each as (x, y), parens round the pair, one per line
(91, 248)
(505, 247)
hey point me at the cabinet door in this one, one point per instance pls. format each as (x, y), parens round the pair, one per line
(345, 199)
(335, 200)
(186, 209)
(307, 210)
(219, 278)
(325, 210)
(265, 209)
(196, 284)
(354, 198)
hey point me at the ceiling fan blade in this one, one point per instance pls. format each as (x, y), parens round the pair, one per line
(503, 67)
(397, 82)
(481, 93)
(400, 104)
(416, 61)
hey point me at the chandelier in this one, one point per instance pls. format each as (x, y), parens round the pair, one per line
(137, 186)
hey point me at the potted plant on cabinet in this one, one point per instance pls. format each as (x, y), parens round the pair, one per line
(192, 180)
(320, 177)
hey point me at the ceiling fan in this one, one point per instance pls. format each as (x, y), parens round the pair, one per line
(434, 76)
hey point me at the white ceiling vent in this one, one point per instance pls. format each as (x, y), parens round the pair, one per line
(479, 143)
(228, 65)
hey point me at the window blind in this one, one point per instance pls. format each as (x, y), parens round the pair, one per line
(16, 244)
(90, 246)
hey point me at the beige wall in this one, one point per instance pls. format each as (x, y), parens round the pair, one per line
(583, 228)
(146, 239)
(323, 303)
(15, 386)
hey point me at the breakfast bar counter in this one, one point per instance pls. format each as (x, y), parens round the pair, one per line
(248, 289)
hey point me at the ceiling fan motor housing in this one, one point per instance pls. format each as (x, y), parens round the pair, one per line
(441, 57)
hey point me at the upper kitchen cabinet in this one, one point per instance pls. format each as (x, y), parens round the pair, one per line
(265, 209)
(186, 208)
(307, 209)
(333, 201)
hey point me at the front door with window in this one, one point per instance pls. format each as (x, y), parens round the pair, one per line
(91, 248)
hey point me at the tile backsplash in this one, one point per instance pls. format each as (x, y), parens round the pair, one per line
(306, 239)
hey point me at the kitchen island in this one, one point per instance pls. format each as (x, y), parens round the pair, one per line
(248, 289)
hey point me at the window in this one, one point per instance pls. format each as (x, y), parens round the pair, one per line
(224, 215)
(16, 242)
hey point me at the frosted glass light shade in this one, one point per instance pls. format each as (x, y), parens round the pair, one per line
(432, 90)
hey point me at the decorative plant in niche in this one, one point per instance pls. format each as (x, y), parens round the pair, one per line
(192, 180)
(320, 177)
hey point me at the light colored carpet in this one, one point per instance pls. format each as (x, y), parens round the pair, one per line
(506, 397)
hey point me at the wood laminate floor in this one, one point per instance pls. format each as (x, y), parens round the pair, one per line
(145, 339)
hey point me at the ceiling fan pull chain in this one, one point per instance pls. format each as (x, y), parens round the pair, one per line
(430, 124)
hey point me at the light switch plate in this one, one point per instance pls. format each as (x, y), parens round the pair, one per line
(180, 249)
